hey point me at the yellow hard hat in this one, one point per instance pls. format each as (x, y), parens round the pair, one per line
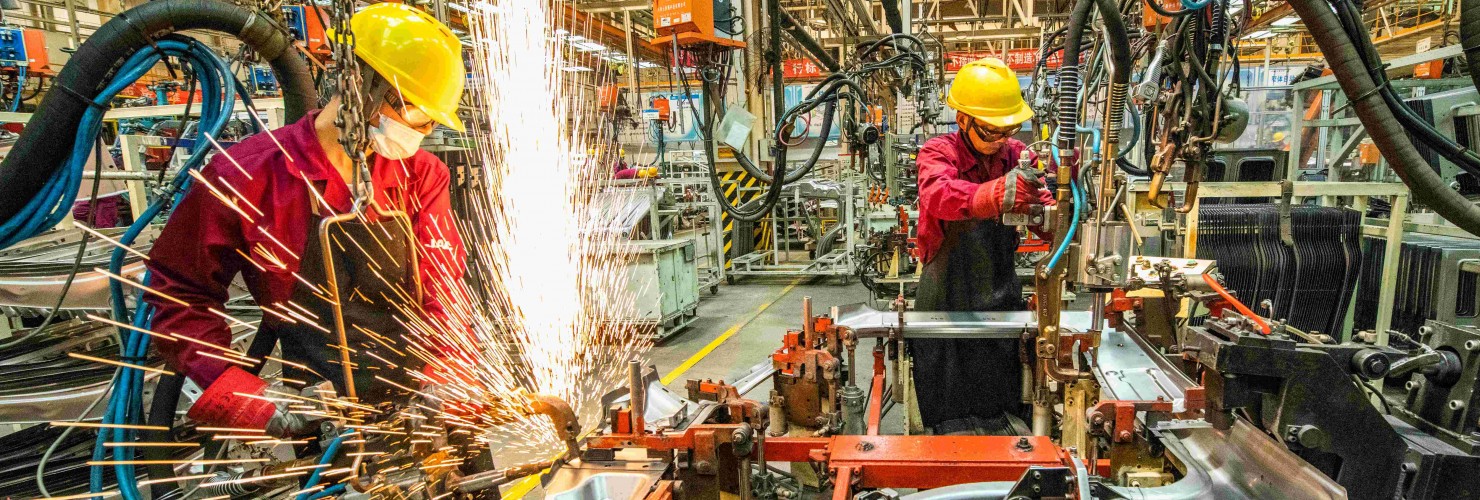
(1279, 136)
(416, 53)
(988, 90)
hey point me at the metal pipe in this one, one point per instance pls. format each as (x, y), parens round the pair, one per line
(638, 397)
(805, 42)
(128, 176)
(807, 330)
(1042, 418)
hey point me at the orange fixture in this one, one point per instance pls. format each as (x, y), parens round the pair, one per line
(689, 22)
(1431, 69)
(661, 105)
(35, 41)
(1151, 19)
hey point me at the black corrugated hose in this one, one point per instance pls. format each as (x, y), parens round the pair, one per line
(1469, 36)
(1421, 128)
(55, 124)
(1069, 78)
(1387, 133)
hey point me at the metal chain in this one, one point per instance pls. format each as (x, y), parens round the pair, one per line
(351, 118)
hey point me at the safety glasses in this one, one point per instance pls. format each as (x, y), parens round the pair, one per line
(992, 133)
(413, 115)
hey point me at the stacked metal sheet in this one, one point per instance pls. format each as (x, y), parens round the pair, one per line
(33, 273)
(1308, 276)
(1430, 284)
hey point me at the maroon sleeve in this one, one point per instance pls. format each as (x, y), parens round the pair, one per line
(194, 260)
(945, 196)
(442, 258)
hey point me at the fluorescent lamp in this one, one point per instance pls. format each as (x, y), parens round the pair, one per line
(1259, 35)
(1286, 21)
(646, 65)
(589, 46)
(576, 69)
(458, 7)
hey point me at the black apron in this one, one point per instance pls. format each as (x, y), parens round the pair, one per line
(367, 290)
(969, 379)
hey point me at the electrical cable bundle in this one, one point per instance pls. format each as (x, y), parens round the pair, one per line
(219, 94)
(826, 93)
(1355, 74)
(37, 188)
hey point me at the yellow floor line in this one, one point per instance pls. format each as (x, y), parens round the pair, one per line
(698, 356)
(523, 487)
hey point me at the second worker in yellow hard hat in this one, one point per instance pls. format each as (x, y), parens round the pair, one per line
(967, 181)
(258, 215)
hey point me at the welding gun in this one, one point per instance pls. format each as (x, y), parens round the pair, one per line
(1035, 215)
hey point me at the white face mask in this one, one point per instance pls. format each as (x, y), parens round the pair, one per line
(394, 140)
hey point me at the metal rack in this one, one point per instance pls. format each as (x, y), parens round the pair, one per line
(777, 260)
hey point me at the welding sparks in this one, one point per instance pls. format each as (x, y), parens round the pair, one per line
(556, 276)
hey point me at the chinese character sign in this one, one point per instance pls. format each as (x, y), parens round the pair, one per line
(800, 68)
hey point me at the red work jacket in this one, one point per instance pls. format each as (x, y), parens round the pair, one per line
(950, 172)
(249, 214)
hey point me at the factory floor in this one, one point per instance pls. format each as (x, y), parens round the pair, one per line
(742, 324)
(735, 329)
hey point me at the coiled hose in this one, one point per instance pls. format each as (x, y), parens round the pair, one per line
(1387, 133)
(38, 186)
(1069, 79)
(218, 99)
(1119, 44)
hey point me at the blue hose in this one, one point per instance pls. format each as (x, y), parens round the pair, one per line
(313, 479)
(1194, 4)
(1073, 226)
(219, 93)
(330, 491)
(20, 85)
(1078, 196)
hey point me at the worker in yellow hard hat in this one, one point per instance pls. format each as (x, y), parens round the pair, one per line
(257, 216)
(967, 180)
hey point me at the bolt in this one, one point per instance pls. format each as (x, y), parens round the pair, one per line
(1412, 385)
(1024, 444)
(865, 446)
(1124, 436)
(704, 467)
(1455, 404)
(1037, 475)
(1472, 345)
(1097, 419)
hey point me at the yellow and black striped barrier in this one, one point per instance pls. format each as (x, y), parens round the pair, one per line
(738, 189)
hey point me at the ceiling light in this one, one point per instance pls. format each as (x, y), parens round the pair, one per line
(589, 46)
(1286, 21)
(457, 7)
(1259, 35)
(576, 69)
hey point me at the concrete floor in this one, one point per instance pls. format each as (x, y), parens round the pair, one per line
(760, 310)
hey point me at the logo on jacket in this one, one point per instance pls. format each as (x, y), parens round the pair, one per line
(440, 244)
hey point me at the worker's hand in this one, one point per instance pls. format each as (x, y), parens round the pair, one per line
(1016, 192)
(235, 400)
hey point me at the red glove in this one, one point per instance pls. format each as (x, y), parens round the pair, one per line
(1014, 192)
(223, 405)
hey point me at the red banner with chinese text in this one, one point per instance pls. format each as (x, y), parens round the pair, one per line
(1018, 59)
